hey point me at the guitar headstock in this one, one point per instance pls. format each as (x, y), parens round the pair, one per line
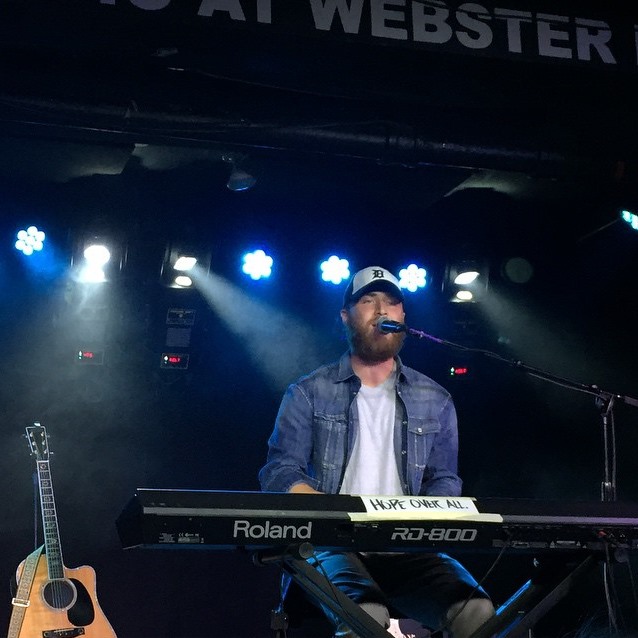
(38, 443)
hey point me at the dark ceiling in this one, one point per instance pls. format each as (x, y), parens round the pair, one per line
(93, 90)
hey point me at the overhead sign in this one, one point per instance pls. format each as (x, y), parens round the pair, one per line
(503, 30)
(506, 84)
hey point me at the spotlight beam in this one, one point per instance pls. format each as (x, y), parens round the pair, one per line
(281, 346)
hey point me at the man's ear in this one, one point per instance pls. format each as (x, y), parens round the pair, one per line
(345, 315)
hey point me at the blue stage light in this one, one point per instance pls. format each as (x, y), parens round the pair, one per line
(630, 218)
(413, 278)
(257, 265)
(30, 240)
(335, 270)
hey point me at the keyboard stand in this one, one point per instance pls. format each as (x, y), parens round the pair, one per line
(293, 560)
(516, 617)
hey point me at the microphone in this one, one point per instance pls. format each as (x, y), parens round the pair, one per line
(386, 326)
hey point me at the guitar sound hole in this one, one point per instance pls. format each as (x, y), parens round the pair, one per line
(59, 594)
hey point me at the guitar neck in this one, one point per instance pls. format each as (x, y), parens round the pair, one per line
(50, 522)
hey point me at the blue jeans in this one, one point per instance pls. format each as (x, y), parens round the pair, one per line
(421, 586)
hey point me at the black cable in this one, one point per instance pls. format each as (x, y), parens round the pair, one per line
(612, 436)
(632, 582)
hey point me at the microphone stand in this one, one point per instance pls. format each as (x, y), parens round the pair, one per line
(604, 401)
(541, 593)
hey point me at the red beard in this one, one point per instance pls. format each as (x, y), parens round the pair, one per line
(371, 346)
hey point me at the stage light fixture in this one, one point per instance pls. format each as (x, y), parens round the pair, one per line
(96, 256)
(630, 218)
(183, 263)
(466, 281)
(518, 270)
(30, 240)
(335, 270)
(98, 259)
(257, 265)
(465, 278)
(413, 278)
(182, 281)
(240, 179)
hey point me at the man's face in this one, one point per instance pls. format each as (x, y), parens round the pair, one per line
(360, 321)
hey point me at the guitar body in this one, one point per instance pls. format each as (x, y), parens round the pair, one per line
(62, 601)
(67, 607)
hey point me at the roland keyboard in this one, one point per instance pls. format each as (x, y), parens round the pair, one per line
(205, 519)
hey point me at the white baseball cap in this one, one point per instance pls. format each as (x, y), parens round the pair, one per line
(369, 279)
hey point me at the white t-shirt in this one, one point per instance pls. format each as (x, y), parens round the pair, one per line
(372, 468)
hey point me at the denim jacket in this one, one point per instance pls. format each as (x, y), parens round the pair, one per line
(317, 424)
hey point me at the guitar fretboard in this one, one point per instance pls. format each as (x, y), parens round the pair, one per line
(50, 522)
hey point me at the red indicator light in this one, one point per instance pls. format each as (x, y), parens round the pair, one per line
(92, 357)
(174, 360)
(458, 371)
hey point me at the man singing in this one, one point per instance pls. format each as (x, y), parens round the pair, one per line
(366, 424)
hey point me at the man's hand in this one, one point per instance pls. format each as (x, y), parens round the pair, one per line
(303, 488)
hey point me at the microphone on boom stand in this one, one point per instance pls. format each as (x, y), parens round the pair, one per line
(388, 326)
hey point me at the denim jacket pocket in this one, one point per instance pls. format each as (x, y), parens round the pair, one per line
(330, 433)
(420, 437)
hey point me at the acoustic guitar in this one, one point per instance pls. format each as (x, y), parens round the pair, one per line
(62, 601)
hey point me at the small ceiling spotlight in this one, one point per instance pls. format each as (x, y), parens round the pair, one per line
(335, 270)
(413, 278)
(240, 179)
(466, 281)
(30, 240)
